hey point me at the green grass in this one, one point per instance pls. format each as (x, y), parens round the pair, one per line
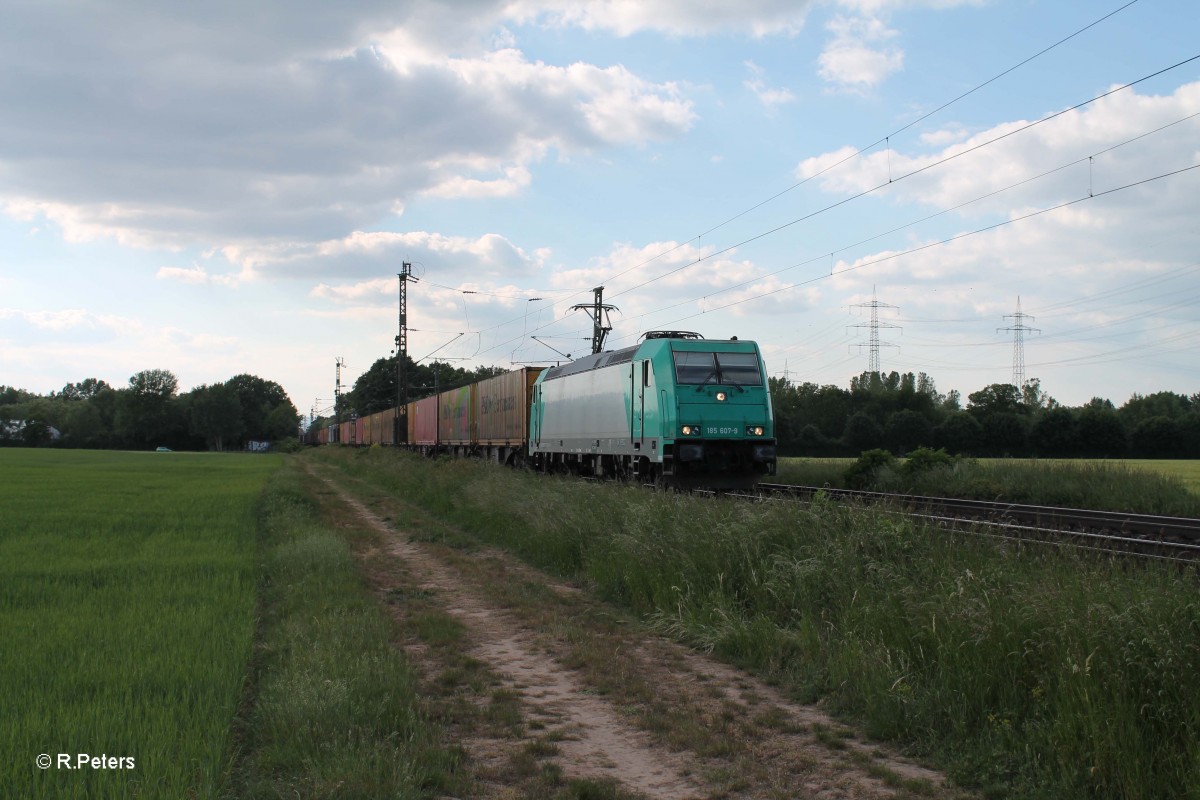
(1147, 487)
(1029, 673)
(127, 605)
(1188, 472)
(336, 712)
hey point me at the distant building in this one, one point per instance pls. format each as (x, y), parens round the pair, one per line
(14, 430)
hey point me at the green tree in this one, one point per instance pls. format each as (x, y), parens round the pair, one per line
(1159, 404)
(907, 430)
(1055, 434)
(35, 433)
(1034, 399)
(1158, 437)
(1004, 433)
(215, 414)
(827, 407)
(258, 400)
(960, 433)
(283, 422)
(84, 390)
(147, 414)
(998, 398)
(862, 432)
(1101, 433)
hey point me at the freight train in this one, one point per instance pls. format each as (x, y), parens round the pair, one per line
(675, 409)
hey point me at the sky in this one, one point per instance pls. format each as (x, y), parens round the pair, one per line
(222, 188)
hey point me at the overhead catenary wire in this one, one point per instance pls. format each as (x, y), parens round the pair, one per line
(816, 258)
(700, 257)
(871, 146)
(978, 146)
(903, 128)
(941, 242)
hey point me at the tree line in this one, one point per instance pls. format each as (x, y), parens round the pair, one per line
(376, 389)
(148, 413)
(893, 411)
(901, 412)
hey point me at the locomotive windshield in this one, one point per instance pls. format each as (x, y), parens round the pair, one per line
(736, 369)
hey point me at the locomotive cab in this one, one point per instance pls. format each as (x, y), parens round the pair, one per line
(719, 411)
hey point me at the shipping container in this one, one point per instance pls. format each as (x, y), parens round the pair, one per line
(502, 407)
(456, 417)
(423, 422)
(385, 427)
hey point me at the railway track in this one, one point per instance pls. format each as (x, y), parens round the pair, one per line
(1147, 535)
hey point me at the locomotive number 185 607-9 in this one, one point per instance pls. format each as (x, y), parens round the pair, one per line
(719, 431)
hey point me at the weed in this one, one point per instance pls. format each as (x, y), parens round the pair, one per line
(1046, 676)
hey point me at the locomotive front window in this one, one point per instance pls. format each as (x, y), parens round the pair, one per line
(695, 368)
(740, 369)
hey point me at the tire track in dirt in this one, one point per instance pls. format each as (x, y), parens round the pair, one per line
(595, 742)
(778, 749)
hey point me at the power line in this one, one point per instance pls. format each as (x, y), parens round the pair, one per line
(910, 174)
(891, 181)
(877, 142)
(912, 223)
(941, 242)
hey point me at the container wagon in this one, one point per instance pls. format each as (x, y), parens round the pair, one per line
(502, 407)
(423, 425)
(456, 420)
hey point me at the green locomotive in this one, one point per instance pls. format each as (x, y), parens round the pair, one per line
(676, 409)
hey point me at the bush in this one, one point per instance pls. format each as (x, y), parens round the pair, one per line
(863, 472)
(924, 459)
(288, 445)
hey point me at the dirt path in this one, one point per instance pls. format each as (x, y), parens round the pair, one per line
(595, 697)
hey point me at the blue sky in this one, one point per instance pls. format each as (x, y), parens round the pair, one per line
(213, 190)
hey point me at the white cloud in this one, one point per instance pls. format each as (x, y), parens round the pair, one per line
(357, 292)
(188, 128)
(858, 57)
(1018, 156)
(697, 18)
(196, 276)
(768, 96)
(945, 136)
(443, 258)
(515, 179)
(71, 319)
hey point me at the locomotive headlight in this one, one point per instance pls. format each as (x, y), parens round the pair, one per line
(755, 430)
(690, 430)
(722, 397)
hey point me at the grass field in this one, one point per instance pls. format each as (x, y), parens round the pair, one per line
(1024, 672)
(1186, 471)
(127, 602)
(1170, 487)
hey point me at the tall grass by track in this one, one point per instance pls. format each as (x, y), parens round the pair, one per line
(1166, 487)
(1026, 673)
(127, 606)
(336, 712)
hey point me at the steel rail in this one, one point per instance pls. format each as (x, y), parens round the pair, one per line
(1145, 535)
